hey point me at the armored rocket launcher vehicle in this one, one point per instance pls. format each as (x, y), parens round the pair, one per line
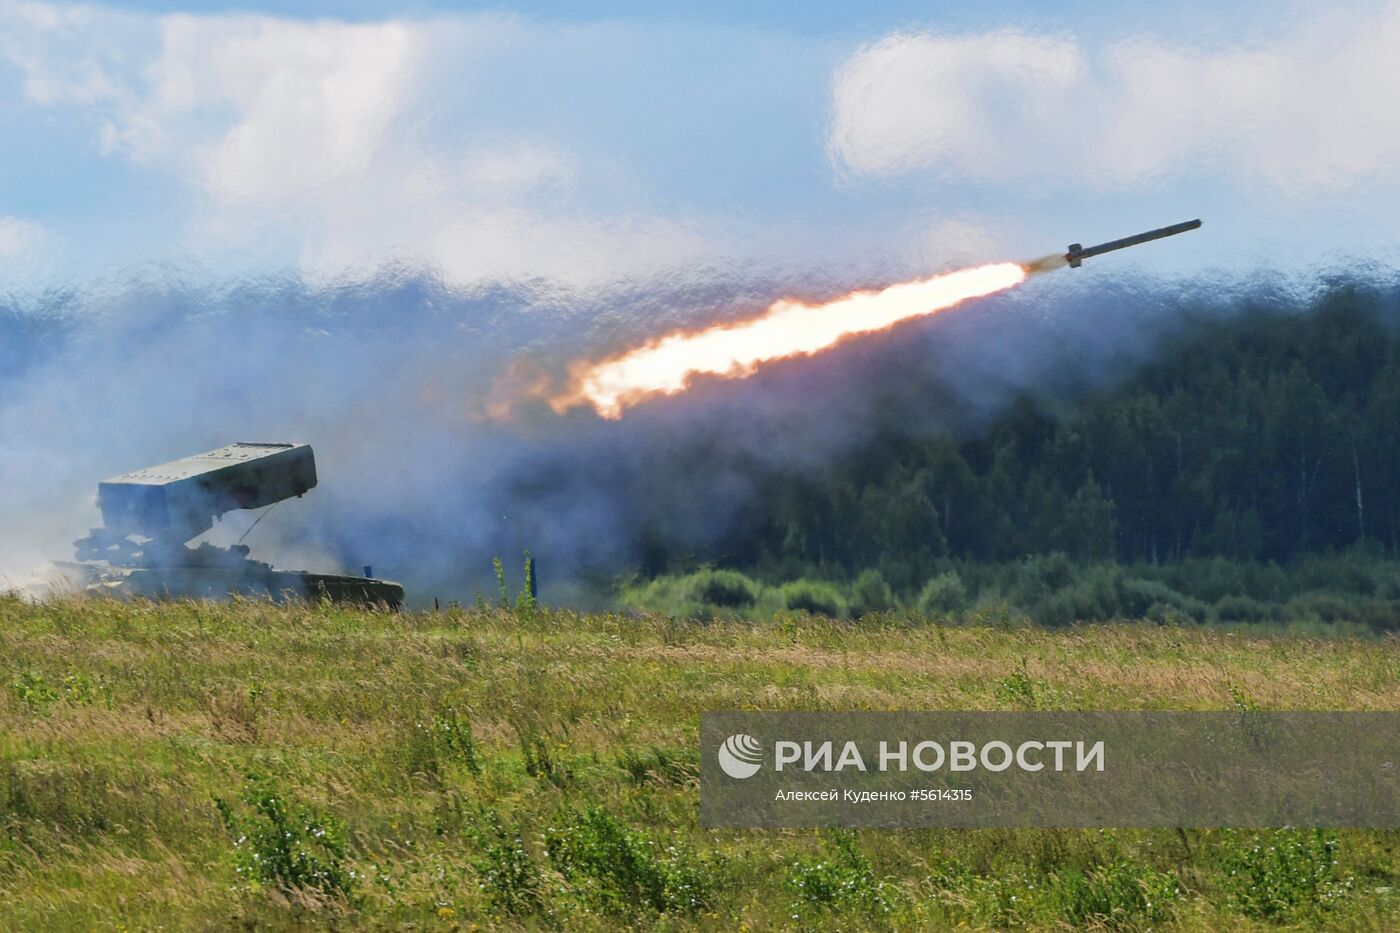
(150, 515)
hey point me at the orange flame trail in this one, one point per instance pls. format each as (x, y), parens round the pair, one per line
(667, 365)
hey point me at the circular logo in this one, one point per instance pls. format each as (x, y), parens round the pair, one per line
(741, 756)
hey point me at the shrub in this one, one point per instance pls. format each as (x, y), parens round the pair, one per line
(695, 595)
(541, 759)
(524, 600)
(1056, 595)
(292, 846)
(429, 745)
(1117, 894)
(1020, 689)
(502, 590)
(418, 752)
(1379, 615)
(1209, 579)
(1062, 608)
(1165, 614)
(1352, 572)
(1325, 607)
(510, 877)
(1388, 586)
(1040, 575)
(943, 594)
(453, 734)
(1139, 597)
(994, 610)
(1275, 875)
(727, 589)
(870, 594)
(810, 596)
(34, 690)
(845, 881)
(1237, 608)
(619, 870)
(983, 898)
(1097, 596)
(660, 594)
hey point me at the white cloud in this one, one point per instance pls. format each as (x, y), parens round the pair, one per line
(66, 53)
(517, 168)
(21, 243)
(311, 101)
(1315, 109)
(914, 101)
(324, 133)
(259, 107)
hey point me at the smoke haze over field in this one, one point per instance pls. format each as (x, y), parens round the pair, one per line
(345, 230)
(386, 381)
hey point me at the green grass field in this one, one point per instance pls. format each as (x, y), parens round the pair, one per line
(181, 766)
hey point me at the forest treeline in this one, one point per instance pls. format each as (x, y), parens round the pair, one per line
(1262, 438)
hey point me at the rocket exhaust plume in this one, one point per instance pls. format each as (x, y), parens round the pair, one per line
(668, 365)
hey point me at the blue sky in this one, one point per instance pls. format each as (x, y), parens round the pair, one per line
(539, 143)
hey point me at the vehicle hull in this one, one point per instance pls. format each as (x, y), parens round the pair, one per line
(220, 583)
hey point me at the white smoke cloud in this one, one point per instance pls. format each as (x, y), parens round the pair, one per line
(383, 379)
(1314, 109)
